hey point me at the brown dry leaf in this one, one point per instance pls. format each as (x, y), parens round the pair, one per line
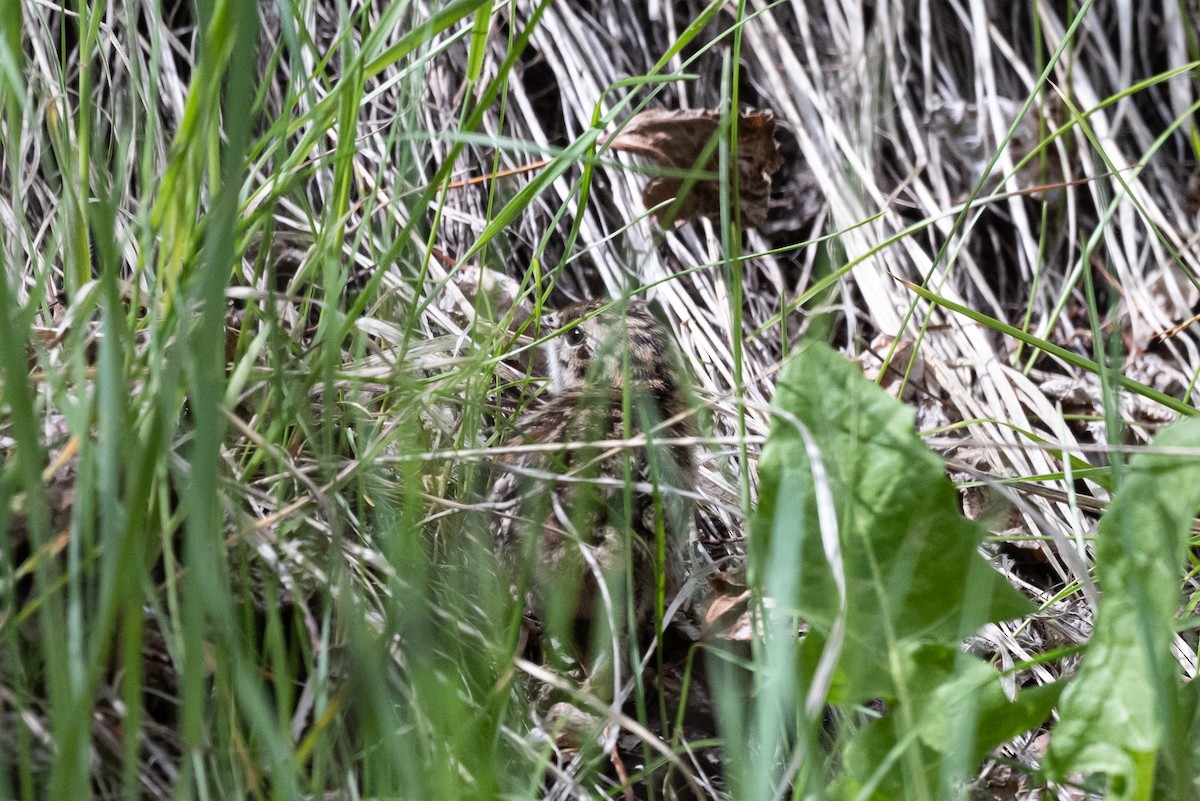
(677, 140)
(725, 612)
(904, 372)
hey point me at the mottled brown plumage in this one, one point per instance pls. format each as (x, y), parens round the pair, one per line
(613, 376)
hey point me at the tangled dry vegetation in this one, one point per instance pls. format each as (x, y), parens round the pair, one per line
(1038, 169)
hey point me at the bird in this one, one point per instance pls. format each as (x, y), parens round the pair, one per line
(593, 512)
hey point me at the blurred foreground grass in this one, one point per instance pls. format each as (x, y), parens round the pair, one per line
(239, 561)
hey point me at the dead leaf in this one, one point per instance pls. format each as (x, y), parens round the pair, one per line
(677, 140)
(904, 372)
(725, 611)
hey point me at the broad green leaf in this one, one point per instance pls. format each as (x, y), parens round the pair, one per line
(957, 713)
(1190, 707)
(1123, 707)
(913, 573)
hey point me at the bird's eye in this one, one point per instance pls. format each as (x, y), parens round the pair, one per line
(575, 337)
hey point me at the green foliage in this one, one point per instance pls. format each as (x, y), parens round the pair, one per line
(955, 713)
(238, 561)
(858, 534)
(905, 555)
(1123, 714)
(889, 579)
